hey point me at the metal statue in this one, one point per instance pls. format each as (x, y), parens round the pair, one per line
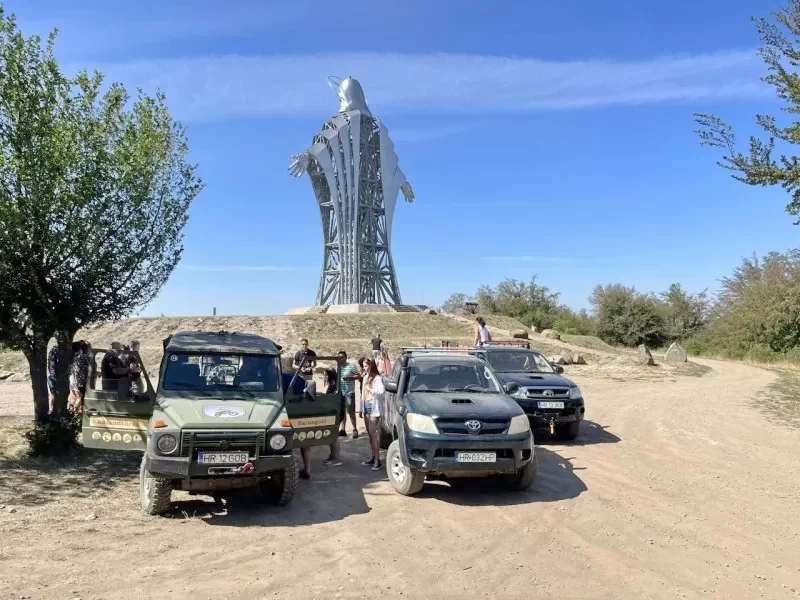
(354, 173)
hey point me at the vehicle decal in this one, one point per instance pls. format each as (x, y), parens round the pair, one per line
(313, 422)
(118, 423)
(223, 412)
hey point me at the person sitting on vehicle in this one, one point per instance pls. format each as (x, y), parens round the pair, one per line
(133, 362)
(112, 369)
(482, 335)
(330, 382)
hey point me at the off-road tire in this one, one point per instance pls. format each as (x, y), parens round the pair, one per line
(278, 487)
(569, 431)
(404, 480)
(524, 478)
(154, 492)
(384, 436)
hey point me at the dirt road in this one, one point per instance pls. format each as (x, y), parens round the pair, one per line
(677, 489)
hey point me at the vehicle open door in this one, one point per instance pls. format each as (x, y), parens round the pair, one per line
(116, 413)
(315, 416)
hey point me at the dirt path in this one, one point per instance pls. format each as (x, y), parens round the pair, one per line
(658, 501)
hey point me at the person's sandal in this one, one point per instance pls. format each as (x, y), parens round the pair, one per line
(342, 433)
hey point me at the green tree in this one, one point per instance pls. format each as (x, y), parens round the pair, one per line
(760, 165)
(685, 314)
(94, 193)
(455, 302)
(627, 317)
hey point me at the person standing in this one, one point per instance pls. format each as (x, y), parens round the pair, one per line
(376, 346)
(384, 362)
(133, 362)
(52, 369)
(482, 335)
(372, 391)
(112, 368)
(307, 369)
(78, 375)
(348, 375)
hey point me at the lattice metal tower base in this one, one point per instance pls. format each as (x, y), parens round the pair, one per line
(356, 180)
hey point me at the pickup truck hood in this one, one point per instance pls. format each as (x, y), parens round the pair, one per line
(441, 404)
(535, 379)
(217, 413)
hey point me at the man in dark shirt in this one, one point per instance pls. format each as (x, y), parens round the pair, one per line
(112, 369)
(376, 346)
(307, 370)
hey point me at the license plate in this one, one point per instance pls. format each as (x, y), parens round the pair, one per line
(551, 405)
(476, 457)
(222, 458)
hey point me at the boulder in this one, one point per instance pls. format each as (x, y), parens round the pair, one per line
(676, 354)
(533, 328)
(519, 334)
(578, 359)
(5, 375)
(557, 360)
(429, 311)
(643, 356)
(551, 333)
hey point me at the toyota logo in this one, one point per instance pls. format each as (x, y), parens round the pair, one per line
(549, 393)
(473, 425)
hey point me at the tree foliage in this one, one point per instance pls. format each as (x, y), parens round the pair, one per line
(684, 314)
(761, 165)
(627, 317)
(94, 192)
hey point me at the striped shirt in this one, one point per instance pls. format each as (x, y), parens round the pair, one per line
(347, 387)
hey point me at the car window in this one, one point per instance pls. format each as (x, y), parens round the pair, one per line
(524, 361)
(221, 372)
(441, 376)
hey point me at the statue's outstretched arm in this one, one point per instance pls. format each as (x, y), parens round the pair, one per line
(299, 163)
(408, 192)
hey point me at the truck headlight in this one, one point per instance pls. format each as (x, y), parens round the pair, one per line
(421, 423)
(167, 443)
(519, 424)
(520, 393)
(575, 393)
(277, 442)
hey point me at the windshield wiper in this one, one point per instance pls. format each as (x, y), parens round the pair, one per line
(248, 393)
(473, 390)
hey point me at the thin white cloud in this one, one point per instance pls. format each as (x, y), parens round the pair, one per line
(218, 87)
(526, 258)
(235, 268)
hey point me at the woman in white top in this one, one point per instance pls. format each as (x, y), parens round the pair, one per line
(482, 335)
(372, 392)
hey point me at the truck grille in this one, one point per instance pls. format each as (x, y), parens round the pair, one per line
(458, 426)
(539, 393)
(222, 441)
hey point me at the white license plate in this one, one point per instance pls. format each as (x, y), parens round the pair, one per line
(222, 458)
(476, 457)
(551, 405)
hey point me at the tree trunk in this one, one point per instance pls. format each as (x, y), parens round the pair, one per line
(64, 340)
(37, 367)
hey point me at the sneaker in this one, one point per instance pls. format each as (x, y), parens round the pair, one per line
(355, 433)
(342, 433)
(377, 466)
(368, 463)
(305, 474)
(332, 462)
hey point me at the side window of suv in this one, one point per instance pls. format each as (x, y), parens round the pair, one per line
(395, 376)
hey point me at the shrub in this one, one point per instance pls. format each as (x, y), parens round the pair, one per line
(55, 436)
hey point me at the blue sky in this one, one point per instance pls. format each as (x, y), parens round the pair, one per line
(549, 138)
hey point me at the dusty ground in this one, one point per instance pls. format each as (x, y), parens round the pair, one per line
(679, 488)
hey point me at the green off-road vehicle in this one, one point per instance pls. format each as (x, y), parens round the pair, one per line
(224, 416)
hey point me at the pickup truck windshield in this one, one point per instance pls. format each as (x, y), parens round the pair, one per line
(221, 373)
(518, 362)
(435, 376)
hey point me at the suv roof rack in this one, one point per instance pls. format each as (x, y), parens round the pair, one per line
(435, 350)
(504, 343)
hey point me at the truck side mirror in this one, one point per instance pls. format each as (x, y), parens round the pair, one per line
(559, 369)
(511, 387)
(390, 386)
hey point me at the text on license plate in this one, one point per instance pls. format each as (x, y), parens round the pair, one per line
(222, 458)
(551, 405)
(476, 457)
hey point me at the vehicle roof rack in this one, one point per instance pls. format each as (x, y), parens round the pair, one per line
(504, 343)
(435, 350)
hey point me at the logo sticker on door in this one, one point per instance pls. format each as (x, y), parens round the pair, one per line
(223, 412)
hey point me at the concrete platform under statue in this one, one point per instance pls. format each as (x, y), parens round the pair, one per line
(342, 309)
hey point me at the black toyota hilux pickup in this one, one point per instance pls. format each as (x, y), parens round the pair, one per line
(552, 401)
(447, 415)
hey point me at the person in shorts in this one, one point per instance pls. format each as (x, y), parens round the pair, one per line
(372, 392)
(78, 375)
(376, 346)
(348, 375)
